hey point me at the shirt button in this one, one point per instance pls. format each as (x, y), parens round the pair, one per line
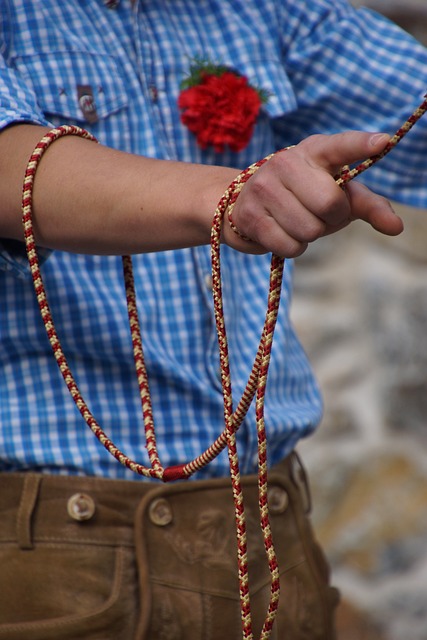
(111, 4)
(160, 512)
(154, 93)
(277, 500)
(87, 104)
(81, 507)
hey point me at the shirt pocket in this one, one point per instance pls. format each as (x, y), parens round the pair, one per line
(269, 75)
(265, 73)
(73, 86)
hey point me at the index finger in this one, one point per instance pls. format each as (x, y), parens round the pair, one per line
(336, 150)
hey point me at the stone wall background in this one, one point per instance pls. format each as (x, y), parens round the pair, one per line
(360, 308)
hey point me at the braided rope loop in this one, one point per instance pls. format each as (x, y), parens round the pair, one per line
(255, 386)
(27, 206)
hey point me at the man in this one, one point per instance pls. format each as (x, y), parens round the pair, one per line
(89, 551)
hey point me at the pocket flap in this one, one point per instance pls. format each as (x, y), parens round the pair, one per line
(80, 86)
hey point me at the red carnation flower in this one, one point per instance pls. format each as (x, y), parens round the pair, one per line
(221, 110)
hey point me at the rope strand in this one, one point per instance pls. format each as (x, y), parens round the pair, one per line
(255, 386)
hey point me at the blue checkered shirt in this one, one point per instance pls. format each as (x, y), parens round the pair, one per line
(327, 68)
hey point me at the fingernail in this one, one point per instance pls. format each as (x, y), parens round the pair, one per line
(378, 138)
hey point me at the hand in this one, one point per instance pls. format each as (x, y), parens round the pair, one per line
(293, 198)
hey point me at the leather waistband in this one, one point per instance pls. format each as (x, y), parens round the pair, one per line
(46, 508)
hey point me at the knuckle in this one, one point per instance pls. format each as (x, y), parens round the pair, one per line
(315, 140)
(328, 204)
(314, 230)
(287, 163)
(295, 249)
(259, 186)
(381, 201)
(259, 227)
(250, 223)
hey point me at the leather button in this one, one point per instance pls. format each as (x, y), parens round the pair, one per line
(81, 507)
(277, 500)
(160, 512)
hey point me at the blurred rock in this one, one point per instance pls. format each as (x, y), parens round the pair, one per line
(377, 524)
(360, 308)
(355, 624)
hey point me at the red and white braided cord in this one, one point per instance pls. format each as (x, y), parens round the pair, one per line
(257, 380)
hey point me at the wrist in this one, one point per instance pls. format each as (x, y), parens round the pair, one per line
(208, 195)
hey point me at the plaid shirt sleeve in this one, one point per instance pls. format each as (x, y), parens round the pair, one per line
(353, 69)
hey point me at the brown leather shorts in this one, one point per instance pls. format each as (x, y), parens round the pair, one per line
(89, 558)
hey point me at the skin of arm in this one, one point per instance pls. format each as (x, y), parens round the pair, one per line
(89, 198)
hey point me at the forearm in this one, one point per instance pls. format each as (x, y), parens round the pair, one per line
(92, 199)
